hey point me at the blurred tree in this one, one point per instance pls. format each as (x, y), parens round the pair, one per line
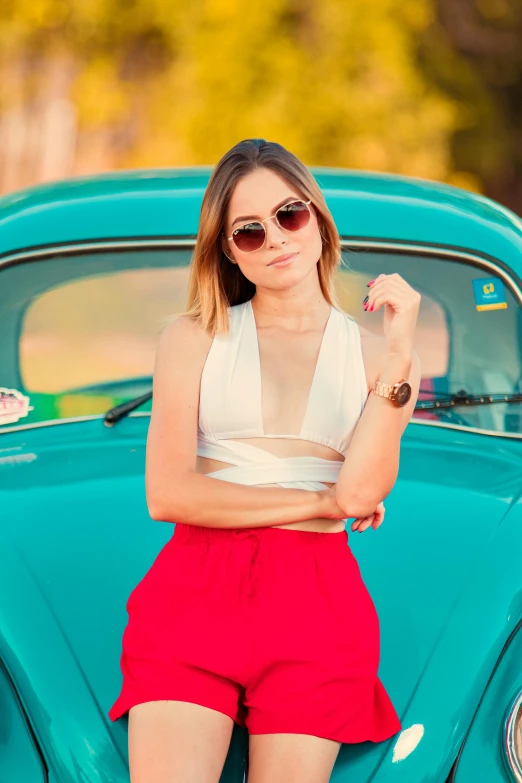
(153, 82)
(474, 54)
(159, 83)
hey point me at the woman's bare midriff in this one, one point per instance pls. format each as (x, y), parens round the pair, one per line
(283, 447)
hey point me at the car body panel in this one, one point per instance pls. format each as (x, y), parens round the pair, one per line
(88, 540)
(119, 206)
(483, 756)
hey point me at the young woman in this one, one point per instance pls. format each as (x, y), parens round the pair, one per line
(275, 419)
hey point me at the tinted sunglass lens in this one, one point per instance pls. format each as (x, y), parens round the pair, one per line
(250, 237)
(293, 216)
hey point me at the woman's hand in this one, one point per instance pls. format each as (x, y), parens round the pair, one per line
(331, 510)
(329, 507)
(401, 308)
(374, 519)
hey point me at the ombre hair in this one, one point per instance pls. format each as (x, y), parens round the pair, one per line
(215, 283)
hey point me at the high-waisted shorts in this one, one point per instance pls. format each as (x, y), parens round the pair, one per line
(273, 627)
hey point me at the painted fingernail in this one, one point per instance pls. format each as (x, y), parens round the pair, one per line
(371, 308)
(370, 283)
(365, 300)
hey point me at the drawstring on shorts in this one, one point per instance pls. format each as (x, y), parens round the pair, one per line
(252, 571)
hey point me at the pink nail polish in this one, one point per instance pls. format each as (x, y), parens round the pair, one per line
(370, 283)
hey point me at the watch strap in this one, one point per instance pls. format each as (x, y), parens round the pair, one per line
(383, 389)
(389, 390)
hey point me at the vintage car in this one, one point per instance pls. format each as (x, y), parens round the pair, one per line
(91, 270)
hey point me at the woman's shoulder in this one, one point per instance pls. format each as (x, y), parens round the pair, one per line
(184, 327)
(184, 342)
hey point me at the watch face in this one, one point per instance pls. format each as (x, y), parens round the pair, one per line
(403, 394)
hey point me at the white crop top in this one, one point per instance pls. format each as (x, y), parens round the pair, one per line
(230, 404)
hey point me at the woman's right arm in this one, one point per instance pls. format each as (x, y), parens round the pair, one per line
(175, 492)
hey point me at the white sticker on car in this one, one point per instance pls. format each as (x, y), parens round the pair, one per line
(13, 405)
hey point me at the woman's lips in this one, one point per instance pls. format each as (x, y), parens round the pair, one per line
(287, 259)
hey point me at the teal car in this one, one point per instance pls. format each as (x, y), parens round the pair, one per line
(91, 271)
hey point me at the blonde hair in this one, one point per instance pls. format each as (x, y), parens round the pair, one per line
(214, 282)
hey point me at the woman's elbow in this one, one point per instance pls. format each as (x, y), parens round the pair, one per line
(362, 504)
(155, 511)
(165, 505)
(357, 508)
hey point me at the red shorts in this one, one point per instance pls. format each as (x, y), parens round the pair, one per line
(273, 627)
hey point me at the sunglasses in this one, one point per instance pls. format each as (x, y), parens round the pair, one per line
(291, 217)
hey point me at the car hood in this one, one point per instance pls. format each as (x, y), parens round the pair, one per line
(76, 538)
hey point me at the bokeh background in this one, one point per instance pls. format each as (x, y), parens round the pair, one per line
(430, 88)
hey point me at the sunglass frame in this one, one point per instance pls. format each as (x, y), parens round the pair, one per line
(270, 217)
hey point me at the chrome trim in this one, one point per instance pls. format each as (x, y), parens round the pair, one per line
(139, 414)
(85, 247)
(346, 244)
(427, 250)
(476, 430)
(513, 761)
(71, 420)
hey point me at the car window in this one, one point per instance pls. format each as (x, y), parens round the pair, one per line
(85, 328)
(80, 332)
(468, 336)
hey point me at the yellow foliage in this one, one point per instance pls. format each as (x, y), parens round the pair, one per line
(465, 180)
(99, 95)
(336, 82)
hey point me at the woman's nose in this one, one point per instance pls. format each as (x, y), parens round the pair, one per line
(274, 233)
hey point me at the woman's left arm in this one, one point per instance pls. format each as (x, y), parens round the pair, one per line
(371, 462)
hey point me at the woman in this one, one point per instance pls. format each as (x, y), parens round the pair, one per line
(255, 610)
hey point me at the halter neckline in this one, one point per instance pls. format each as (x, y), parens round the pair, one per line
(258, 380)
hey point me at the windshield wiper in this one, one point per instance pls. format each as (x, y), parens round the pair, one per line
(113, 415)
(446, 400)
(438, 400)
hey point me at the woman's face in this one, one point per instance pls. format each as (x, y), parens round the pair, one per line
(256, 197)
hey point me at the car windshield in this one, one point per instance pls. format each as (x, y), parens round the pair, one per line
(80, 331)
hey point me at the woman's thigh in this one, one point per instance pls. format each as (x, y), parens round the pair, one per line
(290, 758)
(176, 740)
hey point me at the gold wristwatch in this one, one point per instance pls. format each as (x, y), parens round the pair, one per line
(398, 393)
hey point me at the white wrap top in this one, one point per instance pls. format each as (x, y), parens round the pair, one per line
(230, 404)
